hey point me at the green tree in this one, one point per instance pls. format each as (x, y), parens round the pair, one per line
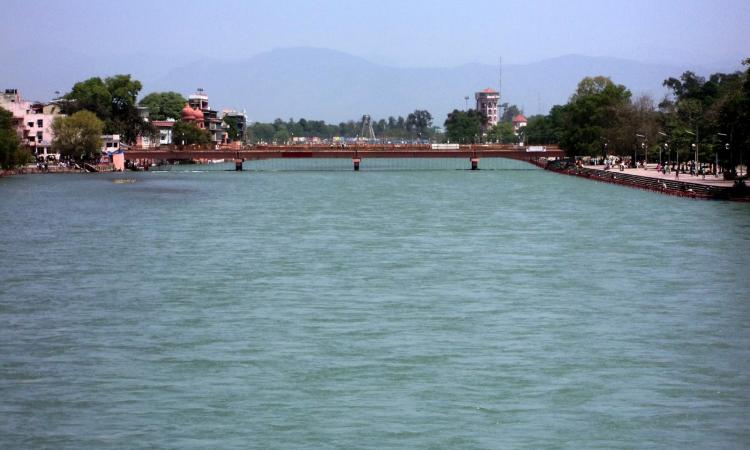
(11, 153)
(706, 108)
(233, 129)
(419, 123)
(509, 112)
(502, 132)
(113, 100)
(164, 105)
(262, 132)
(184, 133)
(591, 115)
(464, 126)
(90, 95)
(543, 130)
(281, 135)
(78, 136)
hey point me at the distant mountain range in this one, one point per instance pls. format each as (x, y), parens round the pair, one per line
(331, 85)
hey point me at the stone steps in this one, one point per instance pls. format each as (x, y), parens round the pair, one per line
(666, 186)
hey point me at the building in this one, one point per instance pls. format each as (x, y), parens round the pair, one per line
(193, 115)
(110, 143)
(240, 118)
(210, 118)
(164, 128)
(33, 122)
(488, 101)
(519, 122)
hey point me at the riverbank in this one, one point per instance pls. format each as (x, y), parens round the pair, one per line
(33, 169)
(686, 185)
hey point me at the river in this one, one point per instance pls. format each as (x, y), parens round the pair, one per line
(397, 307)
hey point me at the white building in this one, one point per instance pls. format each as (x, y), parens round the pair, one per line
(488, 101)
(519, 122)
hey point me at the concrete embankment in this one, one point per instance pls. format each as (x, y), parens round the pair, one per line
(709, 191)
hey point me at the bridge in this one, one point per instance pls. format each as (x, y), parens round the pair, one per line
(356, 153)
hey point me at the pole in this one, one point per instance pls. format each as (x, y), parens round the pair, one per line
(696, 150)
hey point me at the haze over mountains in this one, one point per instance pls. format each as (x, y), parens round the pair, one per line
(334, 86)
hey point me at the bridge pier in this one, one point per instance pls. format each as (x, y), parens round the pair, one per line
(474, 163)
(356, 162)
(238, 164)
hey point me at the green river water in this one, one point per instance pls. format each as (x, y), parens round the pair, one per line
(403, 306)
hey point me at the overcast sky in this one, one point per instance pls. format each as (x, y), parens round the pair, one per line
(397, 32)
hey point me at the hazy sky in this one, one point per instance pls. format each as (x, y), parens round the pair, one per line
(398, 32)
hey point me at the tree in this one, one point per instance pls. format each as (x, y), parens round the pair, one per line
(233, 129)
(262, 132)
(419, 122)
(164, 105)
(705, 108)
(509, 113)
(184, 133)
(502, 132)
(113, 101)
(91, 95)
(11, 153)
(78, 136)
(543, 130)
(281, 135)
(591, 115)
(464, 126)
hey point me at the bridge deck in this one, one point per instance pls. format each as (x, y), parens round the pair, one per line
(365, 151)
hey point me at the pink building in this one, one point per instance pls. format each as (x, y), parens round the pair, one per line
(33, 122)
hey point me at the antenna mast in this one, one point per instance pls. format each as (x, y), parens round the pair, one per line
(500, 78)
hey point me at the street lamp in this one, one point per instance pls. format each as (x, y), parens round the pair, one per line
(716, 153)
(643, 147)
(606, 144)
(666, 146)
(694, 145)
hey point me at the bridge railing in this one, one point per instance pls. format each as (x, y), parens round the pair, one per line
(327, 147)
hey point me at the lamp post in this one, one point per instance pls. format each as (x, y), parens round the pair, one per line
(643, 147)
(606, 144)
(695, 160)
(716, 153)
(666, 146)
(695, 148)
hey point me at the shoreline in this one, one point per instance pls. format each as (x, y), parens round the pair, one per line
(690, 186)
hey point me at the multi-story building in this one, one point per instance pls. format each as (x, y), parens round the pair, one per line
(488, 101)
(211, 120)
(33, 122)
(240, 118)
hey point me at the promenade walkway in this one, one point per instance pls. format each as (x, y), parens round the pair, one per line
(650, 171)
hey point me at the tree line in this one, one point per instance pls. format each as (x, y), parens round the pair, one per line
(470, 127)
(416, 125)
(710, 116)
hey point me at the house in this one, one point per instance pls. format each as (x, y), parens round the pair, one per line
(519, 122)
(164, 129)
(33, 122)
